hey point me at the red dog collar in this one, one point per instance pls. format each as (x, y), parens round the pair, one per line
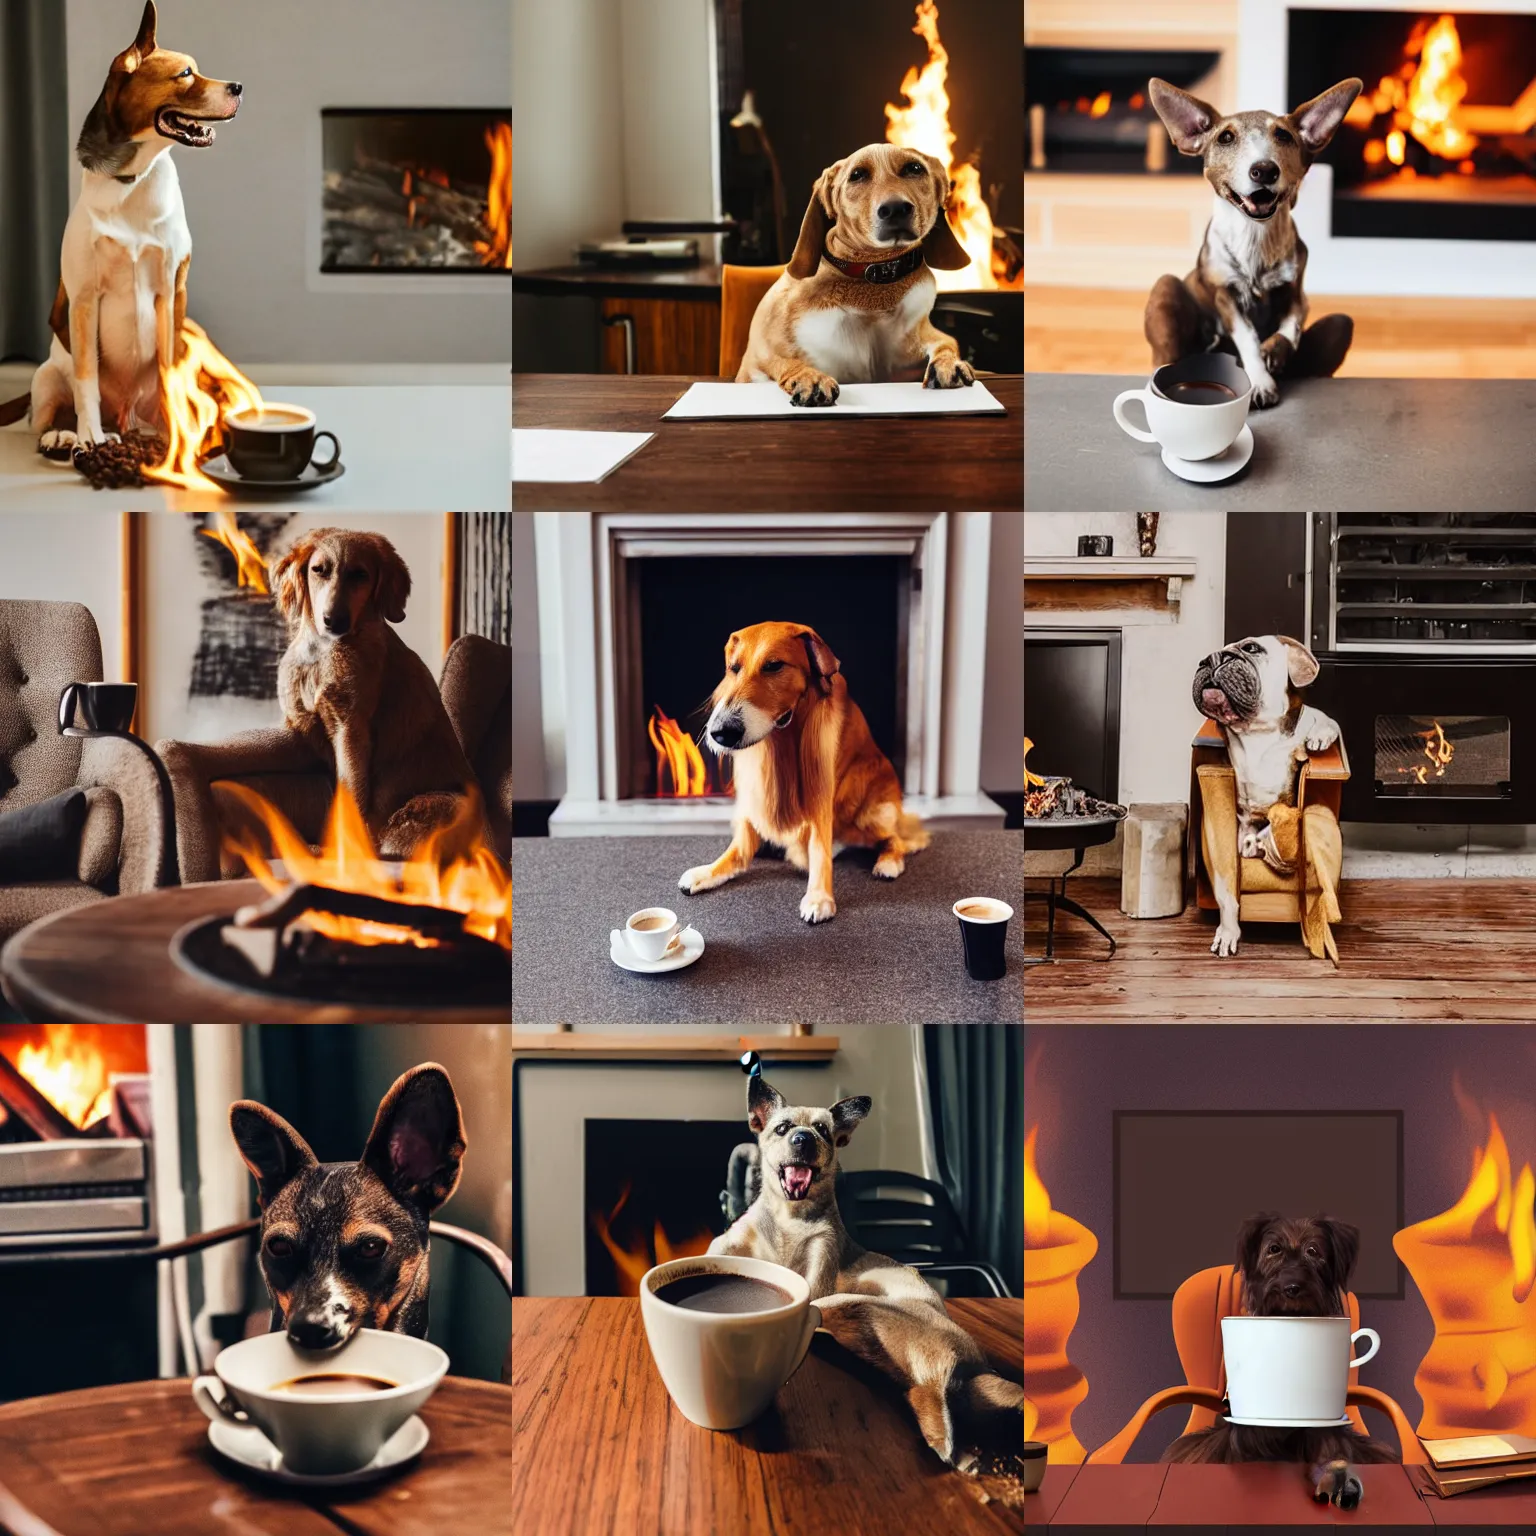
(890, 271)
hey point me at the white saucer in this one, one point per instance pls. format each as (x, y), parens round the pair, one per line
(689, 947)
(1338, 1423)
(1222, 467)
(246, 1444)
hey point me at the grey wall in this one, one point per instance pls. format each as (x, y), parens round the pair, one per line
(248, 196)
(1002, 733)
(1444, 1078)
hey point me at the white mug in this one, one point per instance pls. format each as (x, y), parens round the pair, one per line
(722, 1369)
(322, 1435)
(1190, 431)
(1290, 1370)
(651, 943)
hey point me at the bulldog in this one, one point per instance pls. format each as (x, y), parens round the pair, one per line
(1252, 690)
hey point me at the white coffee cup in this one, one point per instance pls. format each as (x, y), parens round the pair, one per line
(1291, 1370)
(650, 943)
(722, 1369)
(1190, 431)
(322, 1435)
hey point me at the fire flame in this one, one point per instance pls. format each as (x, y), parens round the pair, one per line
(1031, 780)
(197, 392)
(1056, 1249)
(631, 1263)
(454, 868)
(497, 251)
(1423, 100)
(923, 125)
(1475, 1266)
(681, 771)
(251, 568)
(72, 1065)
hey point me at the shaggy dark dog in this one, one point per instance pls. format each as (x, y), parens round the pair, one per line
(1293, 1267)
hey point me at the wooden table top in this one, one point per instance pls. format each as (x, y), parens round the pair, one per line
(110, 963)
(874, 463)
(598, 1447)
(135, 1459)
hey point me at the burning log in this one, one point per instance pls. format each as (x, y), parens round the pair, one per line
(29, 1105)
(1058, 799)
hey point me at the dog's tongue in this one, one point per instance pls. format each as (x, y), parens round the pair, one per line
(1214, 700)
(797, 1182)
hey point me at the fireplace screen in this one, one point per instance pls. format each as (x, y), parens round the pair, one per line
(417, 191)
(1445, 757)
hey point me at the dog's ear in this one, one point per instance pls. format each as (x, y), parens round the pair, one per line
(417, 1142)
(270, 1147)
(1343, 1248)
(763, 1102)
(1318, 120)
(846, 1114)
(819, 218)
(1249, 1238)
(1189, 120)
(941, 246)
(1300, 663)
(141, 47)
(394, 584)
(292, 582)
(818, 654)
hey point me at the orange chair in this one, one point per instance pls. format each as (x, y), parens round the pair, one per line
(1198, 1308)
(741, 291)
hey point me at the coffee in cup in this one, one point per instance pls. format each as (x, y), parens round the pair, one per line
(335, 1384)
(714, 1292)
(100, 706)
(1291, 1370)
(650, 931)
(274, 442)
(1200, 391)
(983, 930)
(1195, 407)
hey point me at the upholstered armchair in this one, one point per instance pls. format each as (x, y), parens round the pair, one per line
(43, 647)
(476, 687)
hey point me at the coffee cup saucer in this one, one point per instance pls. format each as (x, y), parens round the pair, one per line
(1337, 1423)
(1207, 471)
(687, 948)
(250, 1448)
(218, 469)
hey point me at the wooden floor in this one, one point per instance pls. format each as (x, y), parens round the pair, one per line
(1099, 330)
(1431, 950)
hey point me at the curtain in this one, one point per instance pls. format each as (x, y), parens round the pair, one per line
(34, 171)
(976, 1099)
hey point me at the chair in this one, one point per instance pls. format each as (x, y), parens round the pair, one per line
(741, 291)
(1265, 896)
(44, 646)
(477, 693)
(1198, 1307)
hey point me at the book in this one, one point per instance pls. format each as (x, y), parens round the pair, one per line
(1479, 1451)
(1449, 1484)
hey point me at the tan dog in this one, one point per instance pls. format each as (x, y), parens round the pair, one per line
(358, 695)
(807, 771)
(854, 301)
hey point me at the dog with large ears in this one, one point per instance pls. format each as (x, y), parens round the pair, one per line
(345, 1245)
(854, 300)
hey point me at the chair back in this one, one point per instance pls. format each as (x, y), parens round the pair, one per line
(905, 1217)
(1198, 1308)
(477, 693)
(741, 291)
(43, 646)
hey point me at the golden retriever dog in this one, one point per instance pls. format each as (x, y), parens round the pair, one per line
(808, 773)
(358, 695)
(853, 302)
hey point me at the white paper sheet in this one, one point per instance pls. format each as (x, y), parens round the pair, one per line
(571, 458)
(767, 399)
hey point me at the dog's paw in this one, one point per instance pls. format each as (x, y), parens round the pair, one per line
(1337, 1484)
(1265, 393)
(699, 878)
(889, 865)
(1248, 844)
(57, 445)
(810, 387)
(1225, 942)
(817, 907)
(946, 372)
(1277, 352)
(1321, 740)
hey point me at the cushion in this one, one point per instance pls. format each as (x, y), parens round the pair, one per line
(42, 841)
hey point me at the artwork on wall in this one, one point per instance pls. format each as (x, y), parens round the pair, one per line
(484, 545)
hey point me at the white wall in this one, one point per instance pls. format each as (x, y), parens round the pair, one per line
(250, 196)
(75, 559)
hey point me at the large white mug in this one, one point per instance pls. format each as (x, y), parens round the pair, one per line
(1289, 1370)
(722, 1369)
(1186, 430)
(328, 1434)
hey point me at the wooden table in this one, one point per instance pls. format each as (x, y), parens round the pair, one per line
(599, 1448)
(111, 963)
(882, 464)
(133, 1460)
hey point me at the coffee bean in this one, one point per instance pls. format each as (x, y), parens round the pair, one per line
(117, 466)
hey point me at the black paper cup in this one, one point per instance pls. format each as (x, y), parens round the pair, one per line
(982, 931)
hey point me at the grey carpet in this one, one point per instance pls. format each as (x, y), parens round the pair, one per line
(891, 955)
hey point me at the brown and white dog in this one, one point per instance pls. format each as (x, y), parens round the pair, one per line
(358, 695)
(807, 771)
(854, 300)
(122, 296)
(1245, 294)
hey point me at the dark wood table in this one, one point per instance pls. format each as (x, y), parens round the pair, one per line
(599, 1448)
(873, 463)
(134, 1460)
(110, 963)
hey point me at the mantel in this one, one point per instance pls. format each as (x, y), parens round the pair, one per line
(1149, 588)
(652, 1045)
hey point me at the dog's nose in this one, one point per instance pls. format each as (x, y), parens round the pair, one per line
(728, 732)
(802, 1142)
(336, 623)
(306, 1333)
(897, 209)
(1265, 172)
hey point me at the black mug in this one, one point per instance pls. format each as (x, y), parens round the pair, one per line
(101, 706)
(275, 442)
(983, 928)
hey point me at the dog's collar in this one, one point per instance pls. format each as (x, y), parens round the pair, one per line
(890, 271)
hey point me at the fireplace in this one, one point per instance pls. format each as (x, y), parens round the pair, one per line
(1072, 706)
(1439, 145)
(416, 190)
